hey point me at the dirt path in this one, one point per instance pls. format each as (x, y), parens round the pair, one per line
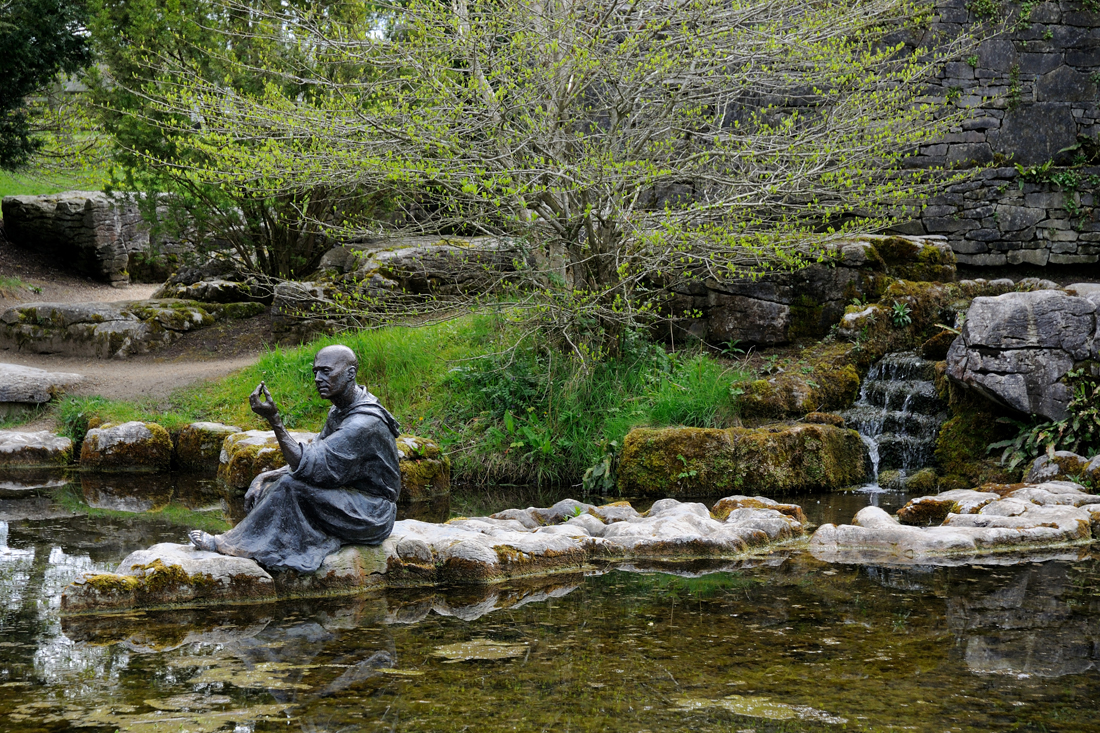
(207, 354)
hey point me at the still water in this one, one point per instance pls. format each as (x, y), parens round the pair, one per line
(782, 644)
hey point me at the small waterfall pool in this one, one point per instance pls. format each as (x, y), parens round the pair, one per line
(898, 415)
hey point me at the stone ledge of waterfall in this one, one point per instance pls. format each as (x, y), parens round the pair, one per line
(568, 537)
(999, 519)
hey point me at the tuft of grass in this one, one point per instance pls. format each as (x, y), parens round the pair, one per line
(505, 412)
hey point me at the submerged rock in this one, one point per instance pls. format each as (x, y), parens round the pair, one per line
(38, 448)
(1002, 519)
(688, 462)
(129, 446)
(468, 551)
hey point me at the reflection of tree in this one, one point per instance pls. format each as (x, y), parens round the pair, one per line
(1039, 621)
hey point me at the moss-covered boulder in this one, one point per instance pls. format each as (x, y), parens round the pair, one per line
(425, 470)
(246, 455)
(1062, 465)
(39, 448)
(129, 446)
(776, 460)
(199, 445)
(926, 510)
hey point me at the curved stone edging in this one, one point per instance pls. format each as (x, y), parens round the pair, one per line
(471, 551)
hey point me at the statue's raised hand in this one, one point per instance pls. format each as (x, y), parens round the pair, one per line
(263, 404)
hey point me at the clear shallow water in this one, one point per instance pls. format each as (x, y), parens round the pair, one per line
(786, 644)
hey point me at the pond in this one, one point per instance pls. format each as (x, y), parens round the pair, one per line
(781, 644)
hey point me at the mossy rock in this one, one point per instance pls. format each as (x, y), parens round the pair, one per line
(247, 454)
(771, 461)
(824, 418)
(425, 470)
(199, 445)
(935, 348)
(832, 383)
(131, 446)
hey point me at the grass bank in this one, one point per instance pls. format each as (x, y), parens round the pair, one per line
(520, 415)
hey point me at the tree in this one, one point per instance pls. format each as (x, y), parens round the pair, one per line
(39, 38)
(626, 144)
(238, 50)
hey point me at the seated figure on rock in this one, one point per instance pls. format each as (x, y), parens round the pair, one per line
(340, 489)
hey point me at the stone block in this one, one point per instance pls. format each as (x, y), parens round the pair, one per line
(34, 449)
(1015, 218)
(30, 386)
(1034, 133)
(1065, 84)
(199, 445)
(247, 454)
(130, 446)
(1029, 257)
(425, 470)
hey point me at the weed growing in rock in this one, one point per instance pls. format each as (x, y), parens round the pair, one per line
(1079, 432)
(900, 315)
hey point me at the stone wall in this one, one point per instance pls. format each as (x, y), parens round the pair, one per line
(1035, 89)
(90, 232)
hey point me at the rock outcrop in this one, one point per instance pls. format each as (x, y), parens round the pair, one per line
(34, 449)
(127, 447)
(700, 462)
(565, 538)
(21, 385)
(1015, 348)
(109, 330)
(88, 231)
(996, 519)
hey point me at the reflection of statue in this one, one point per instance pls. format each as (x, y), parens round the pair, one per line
(339, 489)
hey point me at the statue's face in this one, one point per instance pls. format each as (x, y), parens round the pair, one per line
(332, 374)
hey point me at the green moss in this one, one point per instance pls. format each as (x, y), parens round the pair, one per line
(895, 250)
(109, 583)
(961, 444)
(775, 460)
(807, 319)
(153, 453)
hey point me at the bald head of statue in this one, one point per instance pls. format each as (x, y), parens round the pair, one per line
(334, 370)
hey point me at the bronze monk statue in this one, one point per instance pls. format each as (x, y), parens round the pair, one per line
(340, 489)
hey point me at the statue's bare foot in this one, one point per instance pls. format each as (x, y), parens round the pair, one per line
(202, 540)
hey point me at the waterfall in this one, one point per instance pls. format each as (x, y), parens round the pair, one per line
(898, 414)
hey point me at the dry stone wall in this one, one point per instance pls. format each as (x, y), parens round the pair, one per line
(1035, 91)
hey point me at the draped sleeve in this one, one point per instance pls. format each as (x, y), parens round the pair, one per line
(357, 452)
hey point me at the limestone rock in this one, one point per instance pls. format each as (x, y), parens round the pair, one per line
(170, 574)
(109, 330)
(1015, 348)
(686, 462)
(247, 454)
(425, 470)
(934, 509)
(724, 507)
(130, 446)
(33, 386)
(39, 448)
(199, 445)
(1025, 518)
(89, 231)
(1063, 464)
(468, 551)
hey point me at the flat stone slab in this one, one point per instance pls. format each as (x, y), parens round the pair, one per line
(1018, 518)
(109, 330)
(27, 385)
(566, 538)
(34, 449)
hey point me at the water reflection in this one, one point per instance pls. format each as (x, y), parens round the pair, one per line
(779, 641)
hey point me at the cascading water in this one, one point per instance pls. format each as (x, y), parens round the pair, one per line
(898, 414)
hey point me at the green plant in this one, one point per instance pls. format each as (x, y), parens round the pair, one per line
(1014, 90)
(972, 59)
(984, 8)
(11, 285)
(731, 348)
(685, 473)
(1079, 432)
(900, 314)
(600, 478)
(953, 94)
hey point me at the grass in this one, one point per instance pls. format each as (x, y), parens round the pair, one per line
(29, 183)
(11, 285)
(527, 415)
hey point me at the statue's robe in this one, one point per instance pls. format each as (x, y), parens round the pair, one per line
(344, 491)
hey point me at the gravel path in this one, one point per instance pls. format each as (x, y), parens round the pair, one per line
(207, 354)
